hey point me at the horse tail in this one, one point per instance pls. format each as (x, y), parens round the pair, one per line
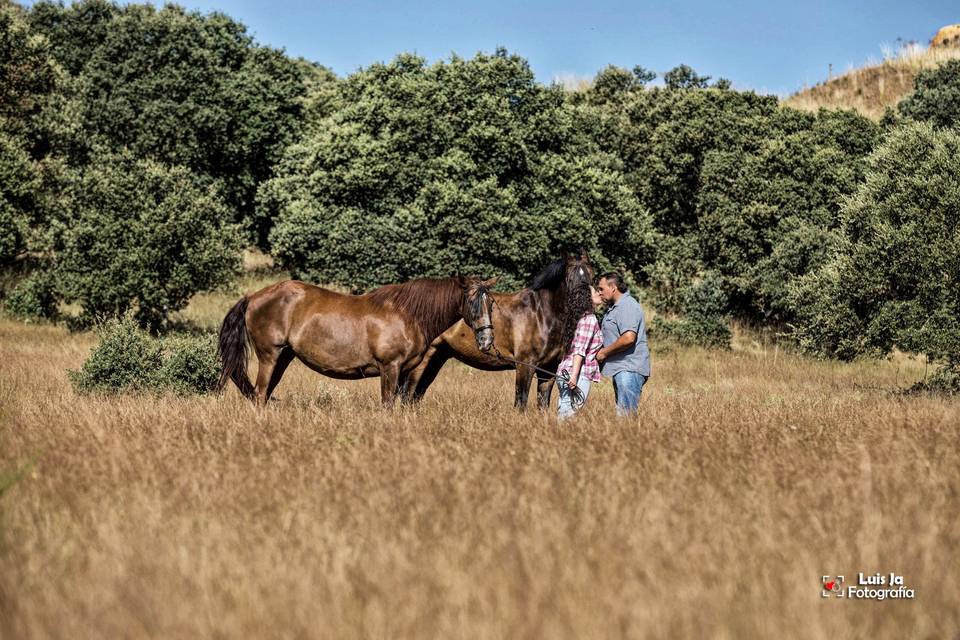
(233, 349)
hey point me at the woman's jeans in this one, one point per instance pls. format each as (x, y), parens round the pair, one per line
(566, 409)
(627, 386)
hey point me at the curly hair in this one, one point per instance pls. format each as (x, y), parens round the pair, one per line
(578, 303)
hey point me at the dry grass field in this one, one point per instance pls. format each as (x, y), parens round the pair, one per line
(746, 476)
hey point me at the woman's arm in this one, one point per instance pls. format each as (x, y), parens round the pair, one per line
(575, 370)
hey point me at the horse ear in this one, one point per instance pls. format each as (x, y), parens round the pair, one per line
(463, 281)
(489, 283)
(583, 255)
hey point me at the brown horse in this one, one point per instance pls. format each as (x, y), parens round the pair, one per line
(528, 327)
(382, 333)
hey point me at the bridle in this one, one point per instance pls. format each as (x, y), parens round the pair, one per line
(483, 301)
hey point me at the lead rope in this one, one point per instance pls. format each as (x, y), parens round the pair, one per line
(576, 395)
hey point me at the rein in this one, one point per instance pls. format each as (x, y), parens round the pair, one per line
(576, 396)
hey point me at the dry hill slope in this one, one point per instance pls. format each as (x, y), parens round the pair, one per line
(873, 88)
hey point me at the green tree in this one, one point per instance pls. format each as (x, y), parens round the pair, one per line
(744, 194)
(178, 87)
(894, 280)
(143, 236)
(663, 135)
(614, 83)
(768, 211)
(28, 74)
(936, 96)
(684, 77)
(465, 165)
(18, 184)
(28, 80)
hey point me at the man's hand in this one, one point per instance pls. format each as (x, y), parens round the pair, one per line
(626, 339)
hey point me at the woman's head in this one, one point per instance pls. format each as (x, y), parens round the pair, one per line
(595, 298)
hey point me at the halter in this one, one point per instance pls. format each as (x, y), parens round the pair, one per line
(483, 292)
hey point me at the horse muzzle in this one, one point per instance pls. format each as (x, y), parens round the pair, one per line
(484, 337)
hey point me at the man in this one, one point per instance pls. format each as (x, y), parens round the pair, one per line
(624, 356)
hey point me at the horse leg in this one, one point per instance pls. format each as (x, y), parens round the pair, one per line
(544, 388)
(425, 373)
(284, 359)
(389, 382)
(412, 379)
(523, 380)
(273, 362)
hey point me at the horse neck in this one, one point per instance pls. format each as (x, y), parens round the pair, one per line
(451, 310)
(554, 301)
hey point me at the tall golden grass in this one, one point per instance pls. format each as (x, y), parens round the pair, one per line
(745, 477)
(875, 86)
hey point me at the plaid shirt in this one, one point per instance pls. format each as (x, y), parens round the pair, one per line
(586, 342)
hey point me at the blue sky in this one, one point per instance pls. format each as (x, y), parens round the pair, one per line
(774, 47)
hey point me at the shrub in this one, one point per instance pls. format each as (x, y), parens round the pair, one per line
(945, 380)
(143, 236)
(130, 360)
(125, 360)
(33, 298)
(705, 321)
(190, 364)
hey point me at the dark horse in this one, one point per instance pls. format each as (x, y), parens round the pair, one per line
(529, 327)
(382, 333)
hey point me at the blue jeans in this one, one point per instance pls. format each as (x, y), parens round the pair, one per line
(565, 409)
(627, 386)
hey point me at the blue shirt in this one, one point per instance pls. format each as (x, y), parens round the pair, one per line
(625, 315)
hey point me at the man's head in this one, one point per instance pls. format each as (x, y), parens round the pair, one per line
(611, 287)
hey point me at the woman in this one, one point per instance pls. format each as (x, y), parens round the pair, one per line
(581, 360)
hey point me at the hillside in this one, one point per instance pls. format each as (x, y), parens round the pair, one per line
(873, 88)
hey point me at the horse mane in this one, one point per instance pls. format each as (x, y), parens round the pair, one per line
(433, 303)
(552, 277)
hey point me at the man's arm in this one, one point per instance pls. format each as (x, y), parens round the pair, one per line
(625, 341)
